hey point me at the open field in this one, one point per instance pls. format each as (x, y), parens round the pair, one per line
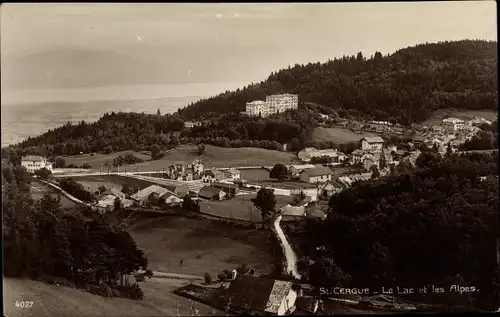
(111, 180)
(38, 189)
(338, 135)
(218, 157)
(203, 245)
(439, 115)
(98, 160)
(240, 207)
(51, 300)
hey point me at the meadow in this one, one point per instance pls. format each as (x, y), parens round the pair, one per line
(338, 135)
(97, 160)
(439, 115)
(240, 207)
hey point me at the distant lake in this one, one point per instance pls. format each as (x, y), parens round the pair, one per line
(30, 112)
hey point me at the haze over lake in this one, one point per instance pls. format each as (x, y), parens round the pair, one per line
(30, 112)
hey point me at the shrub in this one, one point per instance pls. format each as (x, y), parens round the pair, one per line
(208, 279)
(222, 276)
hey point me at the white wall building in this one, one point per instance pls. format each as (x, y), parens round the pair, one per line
(454, 123)
(34, 162)
(273, 104)
(372, 143)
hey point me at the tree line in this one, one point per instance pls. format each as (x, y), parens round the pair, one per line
(44, 241)
(404, 87)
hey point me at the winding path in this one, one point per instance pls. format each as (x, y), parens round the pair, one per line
(291, 258)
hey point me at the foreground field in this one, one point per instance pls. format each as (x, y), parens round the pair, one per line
(202, 245)
(98, 160)
(51, 300)
(439, 115)
(239, 207)
(338, 135)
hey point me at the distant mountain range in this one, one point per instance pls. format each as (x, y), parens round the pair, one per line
(78, 67)
(74, 68)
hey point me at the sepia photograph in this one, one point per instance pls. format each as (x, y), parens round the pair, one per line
(265, 159)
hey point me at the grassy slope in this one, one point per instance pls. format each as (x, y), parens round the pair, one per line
(51, 300)
(338, 135)
(439, 115)
(214, 157)
(239, 207)
(219, 157)
(97, 160)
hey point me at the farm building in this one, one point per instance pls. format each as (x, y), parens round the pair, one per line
(106, 203)
(296, 169)
(261, 296)
(330, 188)
(212, 193)
(229, 189)
(155, 193)
(318, 174)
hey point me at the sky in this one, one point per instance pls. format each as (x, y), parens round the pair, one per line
(245, 41)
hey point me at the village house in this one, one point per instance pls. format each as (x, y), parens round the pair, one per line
(258, 296)
(330, 188)
(233, 174)
(155, 195)
(106, 203)
(296, 169)
(210, 176)
(34, 162)
(229, 189)
(318, 174)
(211, 193)
(179, 190)
(191, 124)
(358, 155)
(369, 162)
(310, 152)
(477, 121)
(372, 143)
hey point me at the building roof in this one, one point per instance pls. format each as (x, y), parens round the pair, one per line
(373, 139)
(358, 152)
(224, 185)
(317, 171)
(309, 149)
(33, 158)
(233, 171)
(108, 200)
(258, 294)
(209, 191)
(146, 192)
(208, 173)
(290, 210)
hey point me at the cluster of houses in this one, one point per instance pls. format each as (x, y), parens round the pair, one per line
(451, 132)
(184, 172)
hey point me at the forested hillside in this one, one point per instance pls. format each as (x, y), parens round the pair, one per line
(44, 241)
(435, 225)
(405, 86)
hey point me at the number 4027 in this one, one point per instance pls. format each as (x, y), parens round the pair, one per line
(24, 304)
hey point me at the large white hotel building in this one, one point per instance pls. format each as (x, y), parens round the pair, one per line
(273, 104)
